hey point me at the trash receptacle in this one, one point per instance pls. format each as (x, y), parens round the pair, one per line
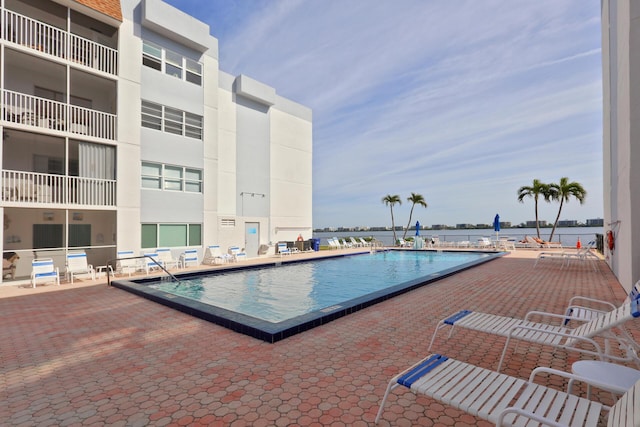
(315, 244)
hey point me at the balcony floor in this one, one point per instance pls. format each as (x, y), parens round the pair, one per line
(88, 354)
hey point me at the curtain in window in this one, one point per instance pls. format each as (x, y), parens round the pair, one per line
(96, 161)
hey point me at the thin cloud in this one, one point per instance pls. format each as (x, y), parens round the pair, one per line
(460, 101)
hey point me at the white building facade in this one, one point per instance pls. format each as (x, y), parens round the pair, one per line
(621, 139)
(120, 132)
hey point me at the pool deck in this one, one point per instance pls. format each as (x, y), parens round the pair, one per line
(90, 354)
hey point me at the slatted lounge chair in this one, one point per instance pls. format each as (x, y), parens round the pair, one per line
(213, 255)
(126, 263)
(189, 257)
(506, 400)
(42, 269)
(582, 254)
(233, 252)
(150, 262)
(77, 265)
(363, 242)
(556, 335)
(167, 259)
(333, 244)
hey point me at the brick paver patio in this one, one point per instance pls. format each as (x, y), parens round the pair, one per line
(97, 355)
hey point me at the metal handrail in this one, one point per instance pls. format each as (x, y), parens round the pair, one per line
(138, 257)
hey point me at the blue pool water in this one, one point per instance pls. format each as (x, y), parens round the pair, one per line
(276, 294)
(291, 295)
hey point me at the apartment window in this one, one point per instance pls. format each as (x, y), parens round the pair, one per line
(151, 115)
(171, 63)
(171, 178)
(151, 175)
(171, 120)
(193, 181)
(171, 235)
(194, 72)
(152, 55)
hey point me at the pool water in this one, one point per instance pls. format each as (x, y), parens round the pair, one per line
(280, 293)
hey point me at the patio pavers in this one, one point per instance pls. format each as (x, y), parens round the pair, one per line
(97, 355)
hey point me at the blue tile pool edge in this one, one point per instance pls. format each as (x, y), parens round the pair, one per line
(269, 331)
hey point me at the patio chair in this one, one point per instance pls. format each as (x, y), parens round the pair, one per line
(125, 263)
(42, 269)
(150, 262)
(189, 257)
(213, 255)
(333, 244)
(507, 400)
(582, 254)
(167, 259)
(556, 335)
(77, 265)
(363, 242)
(355, 243)
(283, 249)
(233, 252)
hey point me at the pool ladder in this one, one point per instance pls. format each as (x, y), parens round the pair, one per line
(115, 260)
(375, 246)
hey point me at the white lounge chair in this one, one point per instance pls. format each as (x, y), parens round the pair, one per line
(355, 243)
(189, 257)
(167, 259)
(556, 335)
(507, 400)
(233, 251)
(77, 265)
(582, 254)
(213, 255)
(333, 244)
(126, 263)
(484, 243)
(42, 269)
(363, 242)
(150, 262)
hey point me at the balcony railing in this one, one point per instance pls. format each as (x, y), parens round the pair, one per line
(45, 113)
(50, 189)
(51, 40)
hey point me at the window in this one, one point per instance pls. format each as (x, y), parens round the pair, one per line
(151, 175)
(193, 126)
(193, 181)
(171, 235)
(151, 55)
(171, 120)
(151, 115)
(149, 235)
(194, 72)
(171, 178)
(171, 63)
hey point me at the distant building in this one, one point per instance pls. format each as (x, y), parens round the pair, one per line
(464, 226)
(532, 224)
(567, 223)
(483, 226)
(505, 224)
(438, 227)
(597, 222)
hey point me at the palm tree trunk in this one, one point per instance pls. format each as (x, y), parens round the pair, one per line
(537, 223)
(404, 236)
(393, 227)
(553, 230)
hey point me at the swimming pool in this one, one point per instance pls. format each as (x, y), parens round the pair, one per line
(281, 299)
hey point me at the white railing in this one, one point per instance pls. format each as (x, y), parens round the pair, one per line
(44, 188)
(51, 40)
(45, 113)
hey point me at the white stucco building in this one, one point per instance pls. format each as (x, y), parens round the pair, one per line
(621, 148)
(121, 132)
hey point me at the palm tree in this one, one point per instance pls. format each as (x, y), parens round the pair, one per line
(536, 190)
(390, 200)
(415, 199)
(563, 192)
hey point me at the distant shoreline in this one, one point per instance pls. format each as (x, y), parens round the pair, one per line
(401, 230)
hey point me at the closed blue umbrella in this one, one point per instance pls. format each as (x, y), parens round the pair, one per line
(417, 228)
(496, 225)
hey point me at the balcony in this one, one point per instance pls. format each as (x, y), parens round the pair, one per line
(49, 189)
(32, 34)
(30, 110)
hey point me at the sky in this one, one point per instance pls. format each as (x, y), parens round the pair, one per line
(463, 102)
